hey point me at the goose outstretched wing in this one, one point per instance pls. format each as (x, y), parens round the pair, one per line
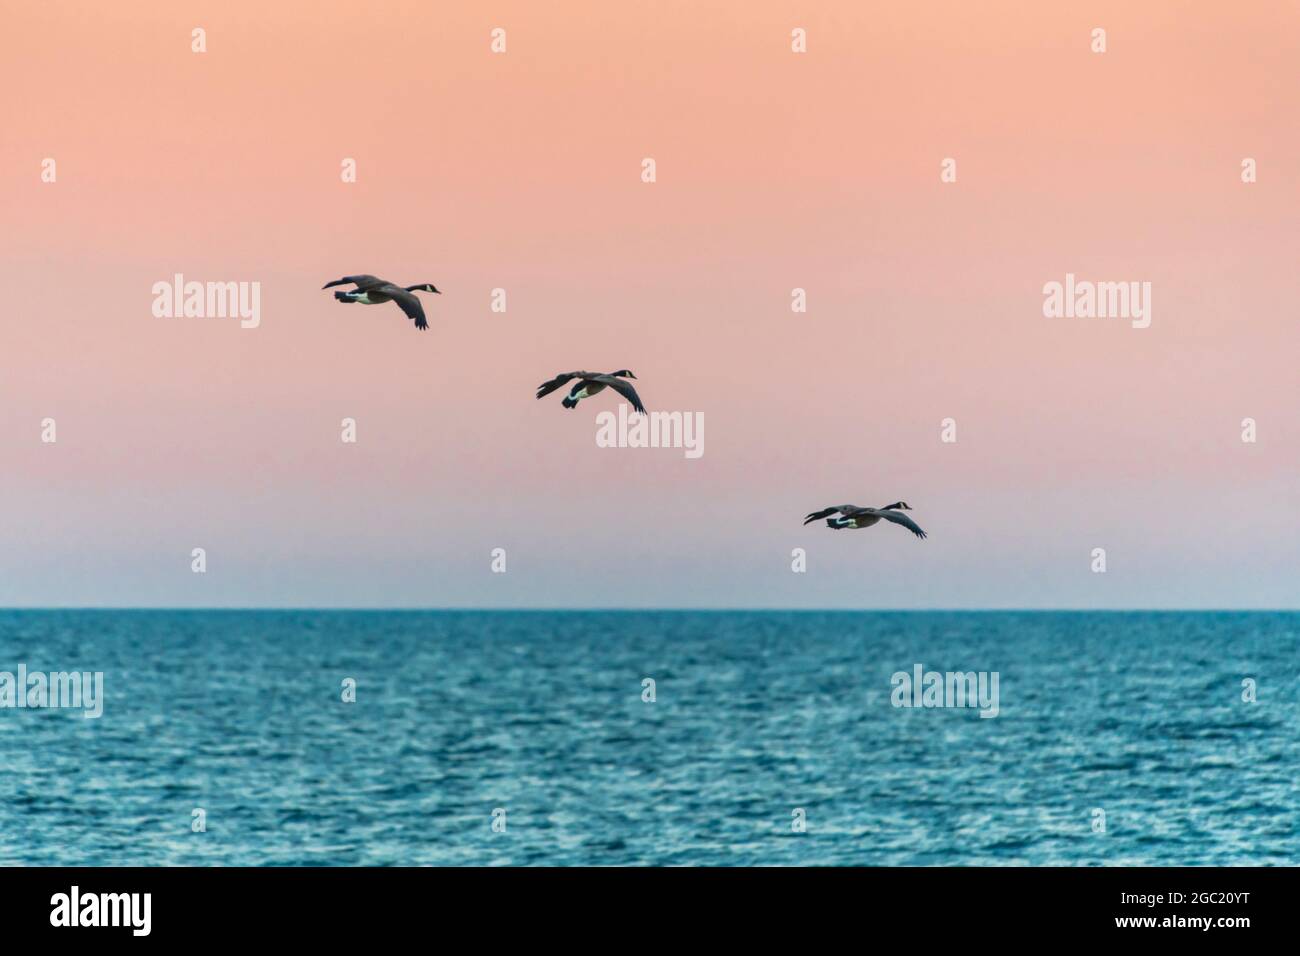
(407, 302)
(624, 388)
(562, 379)
(825, 513)
(361, 282)
(899, 518)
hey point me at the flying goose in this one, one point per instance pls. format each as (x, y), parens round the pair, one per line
(589, 383)
(371, 291)
(855, 517)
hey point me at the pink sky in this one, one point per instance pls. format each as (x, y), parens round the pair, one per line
(775, 170)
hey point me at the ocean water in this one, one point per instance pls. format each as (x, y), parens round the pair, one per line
(756, 715)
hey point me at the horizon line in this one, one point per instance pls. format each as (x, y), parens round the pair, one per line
(417, 609)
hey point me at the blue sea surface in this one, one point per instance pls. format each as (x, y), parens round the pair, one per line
(756, 715)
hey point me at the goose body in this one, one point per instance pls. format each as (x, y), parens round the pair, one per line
(371, 290)
(593, 383)
(852, 516)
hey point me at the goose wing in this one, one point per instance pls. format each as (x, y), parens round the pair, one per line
(624, 388)
(562, 379)
(899, 518)
(827, 512)
(406, 301)
(361, 282)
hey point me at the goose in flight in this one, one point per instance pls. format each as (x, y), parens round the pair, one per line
(855, 517)
(589, 383)
(371, 290)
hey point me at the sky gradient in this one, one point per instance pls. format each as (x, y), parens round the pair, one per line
(775, 170)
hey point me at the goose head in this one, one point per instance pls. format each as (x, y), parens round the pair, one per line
(898, 506)
(623, 373)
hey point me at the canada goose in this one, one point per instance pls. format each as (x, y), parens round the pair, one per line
(855, 517)
(371, 291)
(589, 383)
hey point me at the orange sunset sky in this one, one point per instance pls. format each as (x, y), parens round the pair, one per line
(775, 170)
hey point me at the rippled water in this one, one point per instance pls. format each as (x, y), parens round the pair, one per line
(756, 714)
